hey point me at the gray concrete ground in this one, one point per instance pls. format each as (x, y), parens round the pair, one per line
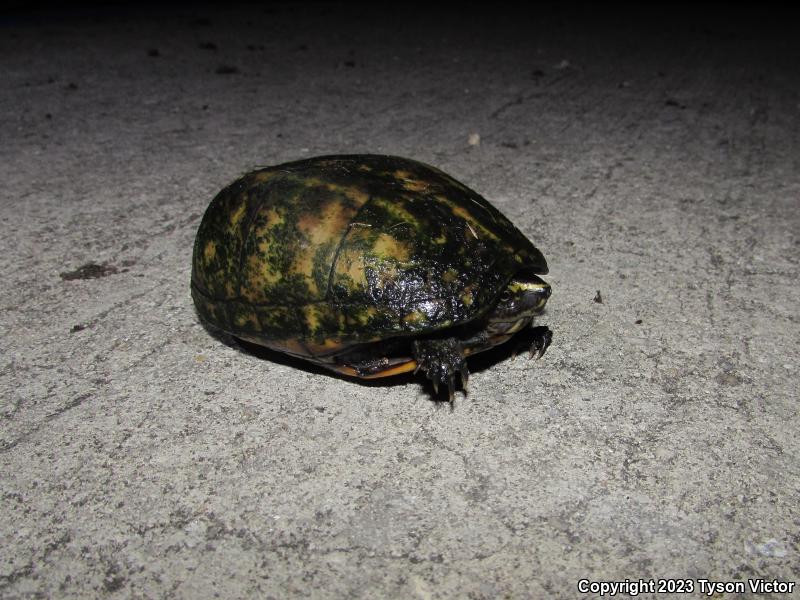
(655, 161)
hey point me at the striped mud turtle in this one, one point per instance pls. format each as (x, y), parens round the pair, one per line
(368, 265)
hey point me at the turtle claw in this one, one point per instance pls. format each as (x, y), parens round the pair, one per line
(442, 359)
(541, 341)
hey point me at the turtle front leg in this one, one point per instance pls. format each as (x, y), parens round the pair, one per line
(442, 359)
(542, 338)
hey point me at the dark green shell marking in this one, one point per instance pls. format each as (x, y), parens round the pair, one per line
(317, 254)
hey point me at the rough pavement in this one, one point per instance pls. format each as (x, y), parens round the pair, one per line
(654, 160)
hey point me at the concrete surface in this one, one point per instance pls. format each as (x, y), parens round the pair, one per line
(653, 159)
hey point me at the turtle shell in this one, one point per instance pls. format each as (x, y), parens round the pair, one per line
(313, 256)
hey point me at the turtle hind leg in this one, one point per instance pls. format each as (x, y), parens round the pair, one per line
(376, 367)
(442, 360)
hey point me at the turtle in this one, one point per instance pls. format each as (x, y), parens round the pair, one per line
(369, 265)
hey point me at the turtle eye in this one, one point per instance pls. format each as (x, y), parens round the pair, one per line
(505, 296)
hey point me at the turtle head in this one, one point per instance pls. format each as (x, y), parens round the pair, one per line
(524, 297)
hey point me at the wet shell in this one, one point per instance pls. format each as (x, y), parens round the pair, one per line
(313, 256)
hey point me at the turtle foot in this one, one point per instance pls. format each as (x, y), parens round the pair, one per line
(542, 338)
(442, 360)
